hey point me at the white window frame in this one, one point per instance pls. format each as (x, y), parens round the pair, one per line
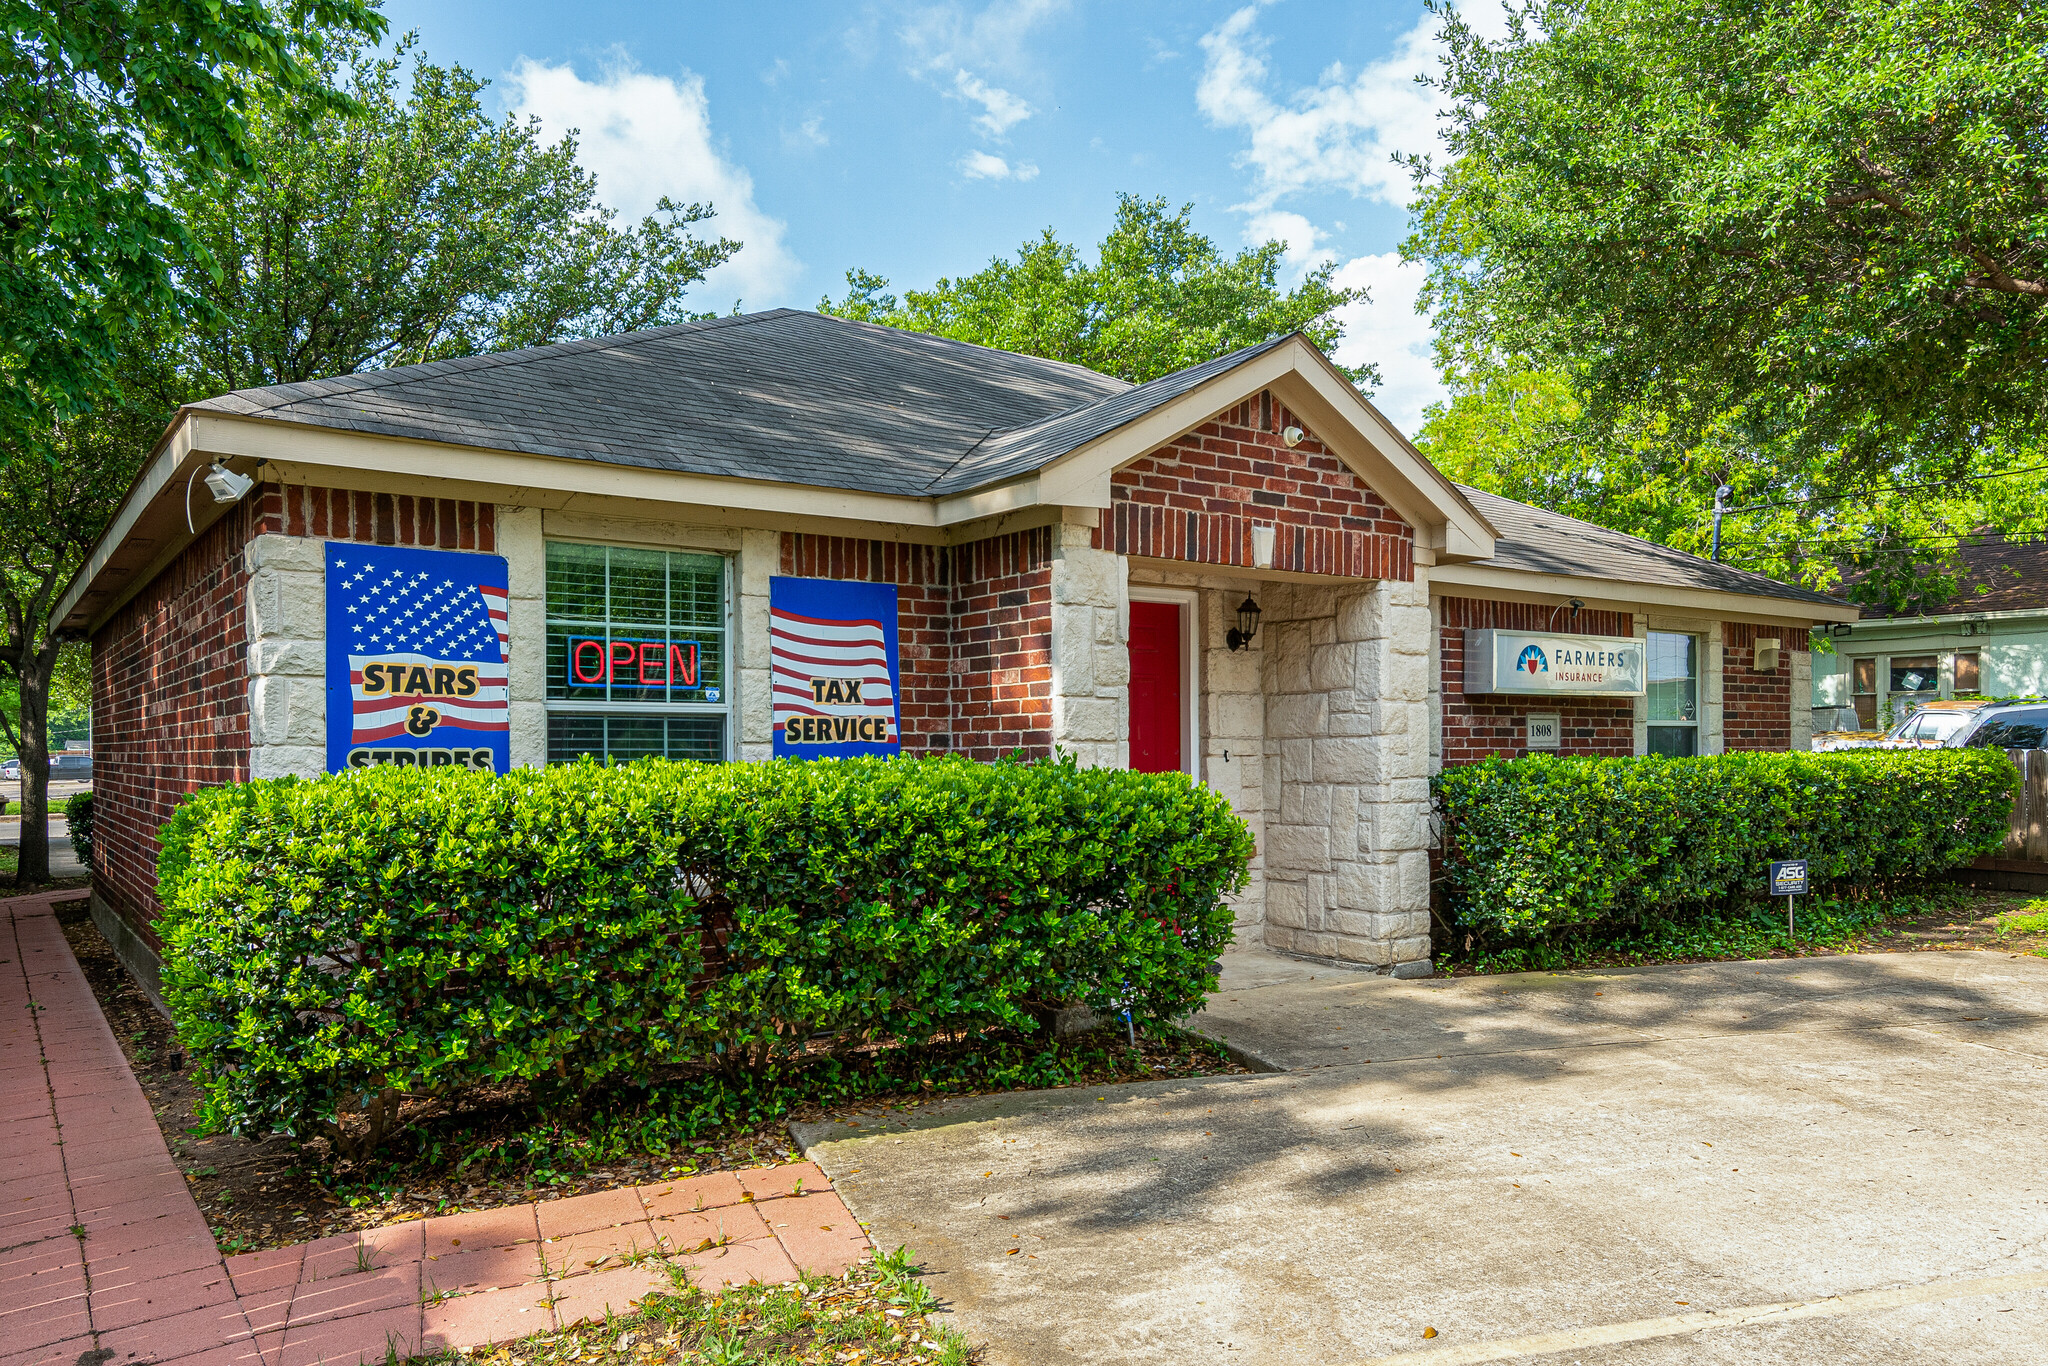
(1190, 603)
(726, 705)
(1698, 724)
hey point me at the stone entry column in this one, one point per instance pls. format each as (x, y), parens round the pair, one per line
(1347, 745)
(1091, 662)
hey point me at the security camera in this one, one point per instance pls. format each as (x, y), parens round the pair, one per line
(1292, 436)
(225, 485)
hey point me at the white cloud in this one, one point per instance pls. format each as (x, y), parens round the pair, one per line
(645, 136)
(808, 135)
(1302, 237)
(983, 166)
(1389, 333)
(995, 37)
(1000, 110)
(1342, 133)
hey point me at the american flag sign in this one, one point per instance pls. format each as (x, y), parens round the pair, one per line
(833, 654)
(417, 642)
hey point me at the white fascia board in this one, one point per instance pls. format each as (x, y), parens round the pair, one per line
(1710, 602)
(304, 444)
(164, 467)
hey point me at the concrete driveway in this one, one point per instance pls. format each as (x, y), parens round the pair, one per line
(1840, 1159)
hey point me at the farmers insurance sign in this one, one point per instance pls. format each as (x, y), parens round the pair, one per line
(1543, 665)
(832, 647)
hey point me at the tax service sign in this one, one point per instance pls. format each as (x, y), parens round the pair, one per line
(1539, 664)
(835, 668)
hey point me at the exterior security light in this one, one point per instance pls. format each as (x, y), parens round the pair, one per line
(1247, 625)
(225, 485)
(1292, 436)
(1838, 629)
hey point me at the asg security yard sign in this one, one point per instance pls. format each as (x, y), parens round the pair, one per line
(832, 648)
(1536, 664)
(1788, 879)
(416, 647)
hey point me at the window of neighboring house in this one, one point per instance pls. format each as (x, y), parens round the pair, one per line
(1967, 676)
(1916, 674)
(1863, 691)
(637, 656)
(1674, 693)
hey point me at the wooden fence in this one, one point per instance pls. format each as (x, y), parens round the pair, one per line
(2023, 863)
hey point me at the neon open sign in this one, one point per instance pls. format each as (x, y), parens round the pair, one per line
(595, 661)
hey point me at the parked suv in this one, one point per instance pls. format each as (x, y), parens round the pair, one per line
(1963, 724)
(76, 766)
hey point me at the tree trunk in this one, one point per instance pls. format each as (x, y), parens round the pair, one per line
(32, 672)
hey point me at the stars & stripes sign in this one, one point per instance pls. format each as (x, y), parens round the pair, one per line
(417, 642)
(833, 653)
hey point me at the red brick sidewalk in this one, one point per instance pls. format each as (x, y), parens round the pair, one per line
(102, 1245)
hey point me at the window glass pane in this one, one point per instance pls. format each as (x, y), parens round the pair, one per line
(1673, 683)
(576, 582)
(615, 643)
(696, 586)
(639, 586)
(1966, 672)
(1674, 742)
(2026, 728)
(1863, 675)
(622, 738)
(1940, 725)
(1915, 674)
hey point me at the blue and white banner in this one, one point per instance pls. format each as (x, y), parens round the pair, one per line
(832, 646)
(416, 649)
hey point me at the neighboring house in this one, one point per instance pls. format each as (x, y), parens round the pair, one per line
(1989, 638)
(782, 533)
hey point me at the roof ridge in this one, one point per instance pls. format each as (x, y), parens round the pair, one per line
(942, 339)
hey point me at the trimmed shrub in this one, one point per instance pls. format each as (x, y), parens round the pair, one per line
(78, 817)
(1540, 842)
(334, 947)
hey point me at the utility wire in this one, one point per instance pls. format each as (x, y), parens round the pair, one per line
(1897, 488)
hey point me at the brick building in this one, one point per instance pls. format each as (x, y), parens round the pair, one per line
(783, 533)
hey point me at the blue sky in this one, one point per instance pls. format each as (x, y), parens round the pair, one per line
(919, 139)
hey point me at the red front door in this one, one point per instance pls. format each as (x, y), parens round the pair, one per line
(1156, 705)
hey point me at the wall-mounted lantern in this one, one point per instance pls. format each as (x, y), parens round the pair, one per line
(1247, 626)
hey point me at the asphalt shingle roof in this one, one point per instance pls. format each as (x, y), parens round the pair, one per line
(786, 396)
(1547, 542)
(800, 398)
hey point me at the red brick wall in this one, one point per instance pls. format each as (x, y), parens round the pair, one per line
(171, 670)
(1476, 728)
(1756, 709)
(1198, 499)
(388, 518)
(975, 634)
(170, 703)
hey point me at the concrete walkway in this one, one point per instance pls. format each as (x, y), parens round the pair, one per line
(102, 1245)
(1823, 1159)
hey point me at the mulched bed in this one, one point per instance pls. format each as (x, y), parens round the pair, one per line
(261, 1193)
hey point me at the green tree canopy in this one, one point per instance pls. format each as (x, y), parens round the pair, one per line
(1801, 249)
(383, 230)
(414, 227)
(104, 100)
(1522, 433)
(1159, 297)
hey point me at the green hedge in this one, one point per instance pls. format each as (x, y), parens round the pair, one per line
(1540, 842)
(334, 946)
(78, 818)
